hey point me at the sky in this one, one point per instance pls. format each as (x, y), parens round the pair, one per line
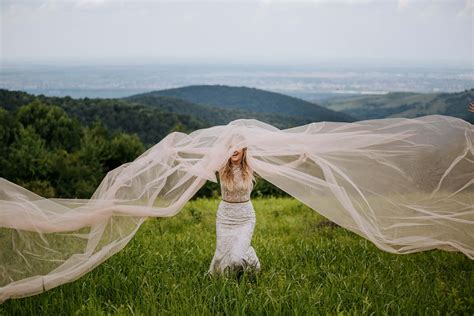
(260, 31)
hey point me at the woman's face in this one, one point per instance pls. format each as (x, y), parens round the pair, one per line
(236, 158)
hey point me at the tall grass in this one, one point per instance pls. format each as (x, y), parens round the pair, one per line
(307, 268)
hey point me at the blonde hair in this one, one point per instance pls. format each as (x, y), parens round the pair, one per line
(227, 176)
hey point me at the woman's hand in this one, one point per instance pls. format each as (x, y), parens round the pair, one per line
(471, 106)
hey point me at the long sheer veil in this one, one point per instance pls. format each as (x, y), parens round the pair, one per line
(404, 184)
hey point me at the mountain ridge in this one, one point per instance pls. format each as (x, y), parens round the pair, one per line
(251, 100)
(405, 104)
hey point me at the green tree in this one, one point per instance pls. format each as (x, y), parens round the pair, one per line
(178, 127)
(31, 162)
(95, 151)
(9, 133)
(52, 123)
(123, 148)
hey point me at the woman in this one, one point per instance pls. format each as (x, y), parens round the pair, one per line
(235, 220)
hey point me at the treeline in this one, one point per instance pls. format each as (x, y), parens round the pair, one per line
(52, 154)
(151, 125)
(56, 154)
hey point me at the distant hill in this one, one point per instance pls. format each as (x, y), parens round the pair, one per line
(211, 115)
(150, 117)
(404, 104)
(251, 100)
(151, 125)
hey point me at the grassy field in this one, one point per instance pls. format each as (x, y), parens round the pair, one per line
(307, 268)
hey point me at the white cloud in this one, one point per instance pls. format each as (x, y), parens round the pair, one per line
(238, 29)
(94, 3)
(467, 10)
(402, 4)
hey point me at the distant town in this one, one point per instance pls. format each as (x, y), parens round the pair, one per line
(312, 83)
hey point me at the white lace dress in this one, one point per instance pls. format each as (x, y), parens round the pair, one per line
(235, 223)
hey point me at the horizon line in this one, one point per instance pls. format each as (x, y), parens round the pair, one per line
(323, 61)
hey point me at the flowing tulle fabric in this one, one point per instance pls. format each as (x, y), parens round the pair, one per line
(404, 184)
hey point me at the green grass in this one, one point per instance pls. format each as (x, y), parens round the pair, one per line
(306, 269)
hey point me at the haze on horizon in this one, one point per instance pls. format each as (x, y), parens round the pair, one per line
(239, 31)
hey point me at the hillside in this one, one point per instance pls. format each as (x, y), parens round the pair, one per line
(251, 100)
(150, 124)
(150, 117)
(405, 104)
(211, 115)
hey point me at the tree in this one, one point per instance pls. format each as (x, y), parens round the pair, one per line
(31, 162)
(9, 133)
(52, 124)
(123, 148)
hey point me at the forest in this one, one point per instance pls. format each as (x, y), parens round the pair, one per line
(64, 147)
